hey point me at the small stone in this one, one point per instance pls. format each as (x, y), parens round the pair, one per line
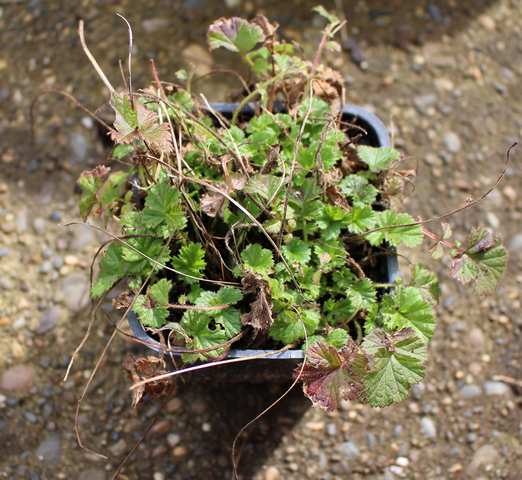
(435, 13)
(232, 3)
(206, 427)
(452, 142)
(493, 220)
(55, 217)
(152, 25)
(179, 451)
(515, 244)
(87, 122)
(468, 392)
(173, 405)
(272, 473)
(83, 236)
(17, 378)
(331, 429)
(476, 339)
(315, 426)
(119, 448)
(4, 251)
(487, 22)
(45, 267)
(484, 456)
(402, 461)
(349, 450)
(423, 102)
(92, 474)
(158, 476)
(50, 449)
(79, 147)
(30, 417)
(496, 388)
(160, 427)
(428, 427)
(39, 225)
(50, 318)
(6, 283)
(75, 291)
(173, 439)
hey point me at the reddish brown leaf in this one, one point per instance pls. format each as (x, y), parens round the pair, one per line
(143, 368)
(332, 375)
(212, 203)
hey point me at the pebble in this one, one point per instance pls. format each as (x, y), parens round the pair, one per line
(423, 102)
(496, 388)
(39, 225)
(22, 221)
(17, 378)
(173, 439)
(4, 251)
(199, 58)
(487, 22)
(476, 339)
(515, 244)
(79, 147)
(272, 473)
(493, 220)
(315, 426)
(82, 237)
(30, 417)
(402, 461)
(349, 450)
(55, 216)
(428, 427)
(452, 142)
(50, 449)
(331, 429)
(50, 318)
(6, 283)
(468, 392)
(152, 25)
(118, 448)
(179, 451)
(74, 288)
(485, 455)
(92, 474)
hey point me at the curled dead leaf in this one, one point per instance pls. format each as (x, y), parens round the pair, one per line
(143, 368)
(260, 315)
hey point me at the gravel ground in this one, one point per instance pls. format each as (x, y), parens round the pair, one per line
(445, 75)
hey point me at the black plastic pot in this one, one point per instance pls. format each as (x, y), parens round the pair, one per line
(278, 367)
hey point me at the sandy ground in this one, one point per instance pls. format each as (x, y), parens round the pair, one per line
(445, 76)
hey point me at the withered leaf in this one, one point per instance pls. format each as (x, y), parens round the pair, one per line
(260, 315)
(212, 203)
(332, 375)
(143, 368)
(123, 300)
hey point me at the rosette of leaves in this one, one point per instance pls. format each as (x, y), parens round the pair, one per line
(263, 229)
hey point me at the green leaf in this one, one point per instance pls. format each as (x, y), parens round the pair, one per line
(337, 337)
(190, 260)
(112, 189)
(362, 294)
(377, 158)
(224, 296)
(197, 326)
(388, 222)
(163, 210)
(235, 34)
(159, 292)
(257, 259)
(332, 220)
(427, 282)
(297, 251)
(112, 268)
(90, 181)
(483, 262)
(398, 363)
(332, 19)
(358, 189)
(288, 326)
(149, 315)
(361, 218)
(230, 320)
(406, 307)
(121, 151)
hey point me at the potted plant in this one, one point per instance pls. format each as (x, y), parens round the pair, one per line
(269, 225)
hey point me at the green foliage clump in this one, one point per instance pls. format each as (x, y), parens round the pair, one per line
(267, 226)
